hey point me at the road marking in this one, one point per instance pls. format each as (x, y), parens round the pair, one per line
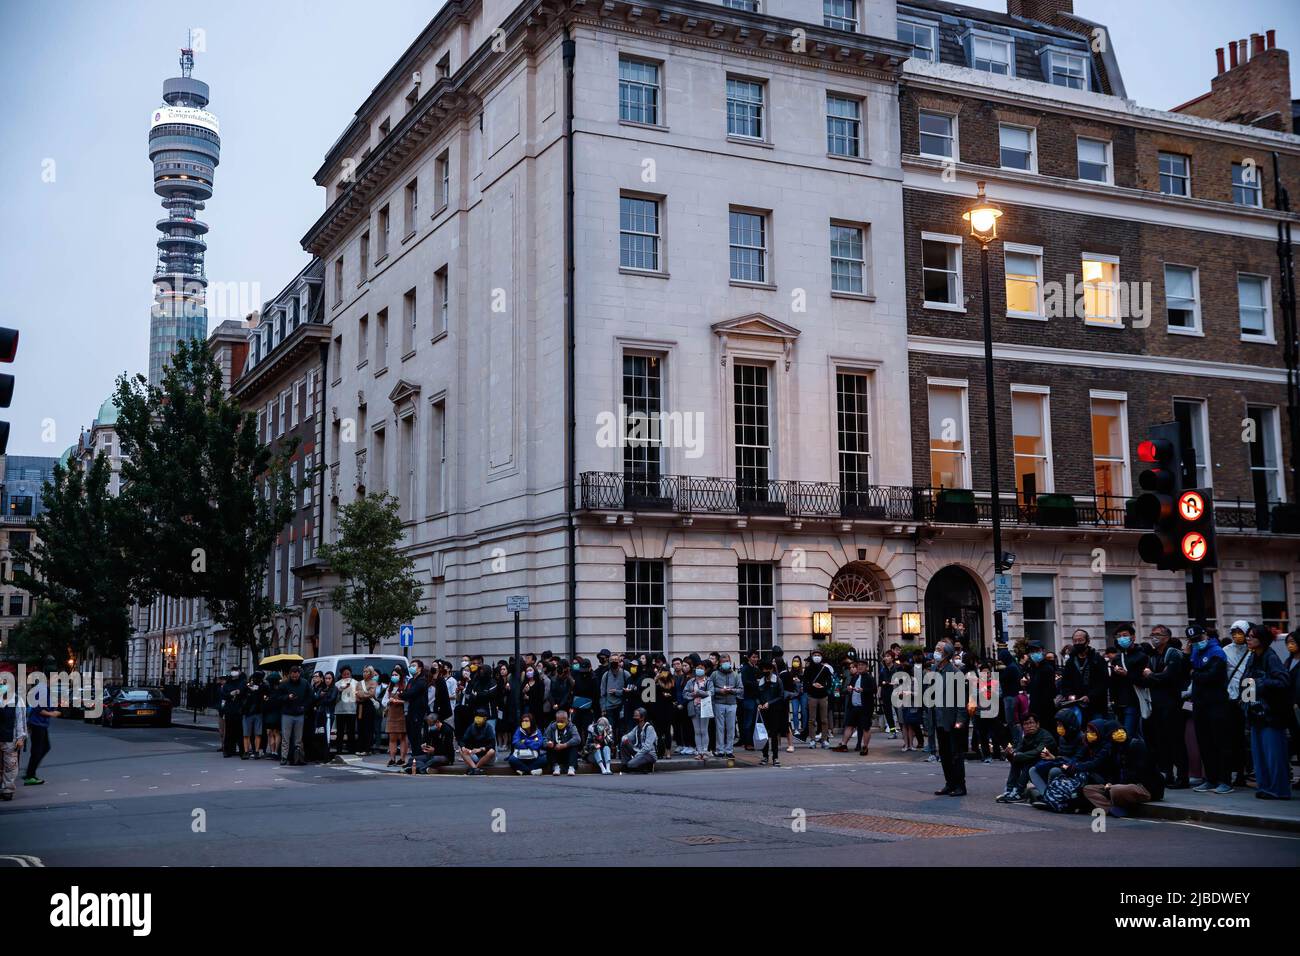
(23, 860)
(1201, 826)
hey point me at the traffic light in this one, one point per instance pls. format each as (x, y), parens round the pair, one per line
(1181, 518)
(8, 349)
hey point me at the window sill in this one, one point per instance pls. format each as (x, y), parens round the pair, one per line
(764, 286)
(408, 237)
(1259, 339)
(381, 371)
(362, 281)
(362, 364)
(635, 125)
(645, 273)
(854, 296)
(939, 157)
(410, 354)
(748, 141)
(381, 259)
(336, 382)
(1027, 316)
(849, 159)
(1116, 326)
(944, 307)
(1028, 172)
(1195, 333)
(440, 210)
(439, 337)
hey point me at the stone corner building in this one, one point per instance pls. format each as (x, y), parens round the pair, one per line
(647, 311)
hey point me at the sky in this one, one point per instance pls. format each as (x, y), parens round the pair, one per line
(76, 199)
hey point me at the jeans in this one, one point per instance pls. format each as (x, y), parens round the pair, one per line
(1009, 716)
(1272, 773)
(1130, 718)
(640, 763)
(701, 726)
(798, 708)
(600, 757)
(291, 738)
(724, 715)
(39, 743)
(748, 713)
(527, 766)
(425, 761)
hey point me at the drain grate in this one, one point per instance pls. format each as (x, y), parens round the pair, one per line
(891, 825)
(704, 839)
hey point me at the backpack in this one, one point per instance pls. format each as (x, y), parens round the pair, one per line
(1062, 792)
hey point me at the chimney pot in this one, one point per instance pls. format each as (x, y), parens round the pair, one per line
(1218, 55)
(1272, 38)
(1256, 44)
(1242, 51)
(1232, 55)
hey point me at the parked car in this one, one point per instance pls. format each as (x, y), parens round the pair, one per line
(137, 705)
(382, 663)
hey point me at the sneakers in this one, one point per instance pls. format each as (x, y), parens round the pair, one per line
(555, 771)
(931, 758)
(519, 773)
(988, 759)
(32, 781)
(572, 772)
(790, 750)
(1009, 796)
(536, 771)
(604, 770)
(1202, 788)
(1223, 788)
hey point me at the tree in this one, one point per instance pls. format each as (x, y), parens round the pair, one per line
(46, 635)
(378, 592)
(78, 562)
(206, 497)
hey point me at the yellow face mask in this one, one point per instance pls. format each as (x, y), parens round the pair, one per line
(480, 721)
(1060, 730)
(1119, 736)
(561, 723)
(525, 724)
(1092, 736)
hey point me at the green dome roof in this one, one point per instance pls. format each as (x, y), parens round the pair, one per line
(67, 454)
(107, 413)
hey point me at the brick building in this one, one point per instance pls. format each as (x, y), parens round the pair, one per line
(1135, 280)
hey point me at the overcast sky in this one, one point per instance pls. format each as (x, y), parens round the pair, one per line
(76, 199)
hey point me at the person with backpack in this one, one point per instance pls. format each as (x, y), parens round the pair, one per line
(1210, 704)
(1267, 696)
(1136, 779)
(1094, 764)
(1069, 745)
(1035, 743)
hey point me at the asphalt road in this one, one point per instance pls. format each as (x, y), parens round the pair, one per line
(135, 797)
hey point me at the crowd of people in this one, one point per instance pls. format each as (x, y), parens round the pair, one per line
(1077, 726)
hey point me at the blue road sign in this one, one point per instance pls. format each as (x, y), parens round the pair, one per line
(408, 635)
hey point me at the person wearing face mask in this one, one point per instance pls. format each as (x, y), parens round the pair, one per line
(817, 681)
(1209, 696)
(562, 744)
(728, 691)
(1128, 661)
(613, 685)
(1084, 678)
(949, 725)
(637, 747)
(532, 692)
(527, 748)
(860, 708)
(294, 696)
(1036, 743)
(232, 708)
(478, 745)
(662, 707)
(586, 690)
(395, 716)
(699, 707)
(1136, 780)
(1166, 676)
(1069, 746)
(1267, 696)
(600, 742)
(773, 711)
(1236, 654)
(437, 749)
(1042, 685)
(799, 702)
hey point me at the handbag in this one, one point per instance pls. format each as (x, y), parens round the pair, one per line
(705, 706)
(760, 733)
(526, 753)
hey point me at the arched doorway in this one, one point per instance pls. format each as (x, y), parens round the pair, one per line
(313, 634)
(859, 608)
(954, 609)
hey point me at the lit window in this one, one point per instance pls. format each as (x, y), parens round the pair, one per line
(1109, 449)
(1100, 290)
(949, 467)
(1024, 280)
(1030, 430)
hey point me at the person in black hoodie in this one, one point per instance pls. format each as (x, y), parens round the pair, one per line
(232, 709)
(1209, 696)
(1166, 676)
(1135, 780)
(1009, 675)
(253, 706)
(1042, 685)
(1069, 747)
(1127, 664)
(1084, 677)
(295, 695)
(749, 675)
(416, 697)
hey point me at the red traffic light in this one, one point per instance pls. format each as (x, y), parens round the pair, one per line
(1155, 450)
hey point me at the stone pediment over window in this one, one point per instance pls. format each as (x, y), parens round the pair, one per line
(756, 325)
(403, 392)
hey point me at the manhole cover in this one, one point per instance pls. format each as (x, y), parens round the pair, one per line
(704, 839)
(910, 828)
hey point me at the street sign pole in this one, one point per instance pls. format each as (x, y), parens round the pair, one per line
(518, 714)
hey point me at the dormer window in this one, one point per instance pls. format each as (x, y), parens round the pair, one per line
(1066, 68)
(990, 53)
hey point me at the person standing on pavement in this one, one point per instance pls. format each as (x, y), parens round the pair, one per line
(637, 747)
(698, 695)
(749, 675)
(859, 708)
(1128, 663)
(38, 731)
(345, 710)
(1009, 674)
(1042, 685)
(1267, 697)
(613, 684)
(254, 703)
(232, 709)
(294, 696)
(271, 716)
(368, 710)
(13, 734)
(416, 697)
(1209, 696)
(1084, 678)
(1237, 655)
(586, 691)
(773, 711)
(1166, 676)
(395, 716)
(728, 693)
(817, 713)
(562, 743)
(663, 709)
(949, 724)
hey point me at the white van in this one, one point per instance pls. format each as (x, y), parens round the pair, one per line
(382, 663)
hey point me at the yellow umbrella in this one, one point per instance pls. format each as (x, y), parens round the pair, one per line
(281, 660)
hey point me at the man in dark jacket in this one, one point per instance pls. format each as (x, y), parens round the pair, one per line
(1068, 748)
(1208, 668)
(478, 745)
(1084, 677)
(438, 748)
(1009, 675)
(1126, 665)
(416, 696)
(1166, 676)
(749, 674)
(294, 694)
(1035, 741)
(950, 724)
(232, 709)
(1042, 685)
(1135, 780)
(562, 743)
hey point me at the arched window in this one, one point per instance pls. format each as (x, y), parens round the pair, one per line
(856, 583)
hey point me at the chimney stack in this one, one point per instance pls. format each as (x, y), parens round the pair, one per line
(1254, 88)
(1041, 10)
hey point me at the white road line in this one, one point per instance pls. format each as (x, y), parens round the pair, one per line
(1201, 826)
(23, 860)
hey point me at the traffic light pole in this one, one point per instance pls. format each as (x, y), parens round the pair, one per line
(994, 488)
(1197, 603)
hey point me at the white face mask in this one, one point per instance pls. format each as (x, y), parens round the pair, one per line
(938, 655)
(817, 659)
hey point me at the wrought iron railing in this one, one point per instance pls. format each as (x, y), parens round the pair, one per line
(691, 494)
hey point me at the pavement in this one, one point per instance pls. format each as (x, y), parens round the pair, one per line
(141, 796)
(1240, 807)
